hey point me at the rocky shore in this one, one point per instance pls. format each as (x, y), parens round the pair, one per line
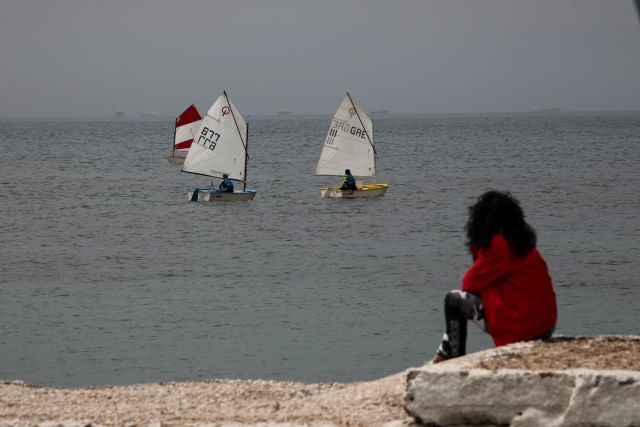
(567, 382)
(269, 403)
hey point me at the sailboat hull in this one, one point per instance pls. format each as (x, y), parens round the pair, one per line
(176, 160)
(367, 190)
(209, 195)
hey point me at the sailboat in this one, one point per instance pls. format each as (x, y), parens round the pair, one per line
(187, 125)
(220, 147)
(349, 145)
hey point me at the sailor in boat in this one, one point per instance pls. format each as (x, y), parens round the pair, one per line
(226, 185)
(349, 181)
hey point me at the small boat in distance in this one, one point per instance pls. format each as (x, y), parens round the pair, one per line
(187, 125)
(220, 148)
(545, 110)
(349, 145)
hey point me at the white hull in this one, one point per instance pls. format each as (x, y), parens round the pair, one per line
(208, 195)
(176, 160)
(367, 190)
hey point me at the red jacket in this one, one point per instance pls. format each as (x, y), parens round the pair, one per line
(519, 301)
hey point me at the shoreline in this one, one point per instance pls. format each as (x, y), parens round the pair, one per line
(269, 403)
(211, 402)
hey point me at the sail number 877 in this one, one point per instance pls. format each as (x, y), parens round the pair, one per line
(208, 138)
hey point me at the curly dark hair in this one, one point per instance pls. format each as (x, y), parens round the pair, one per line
(499, 212)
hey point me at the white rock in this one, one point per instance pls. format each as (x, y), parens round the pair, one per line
(449, 396)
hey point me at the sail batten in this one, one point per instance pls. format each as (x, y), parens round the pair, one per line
(219, 145)
(349, 143)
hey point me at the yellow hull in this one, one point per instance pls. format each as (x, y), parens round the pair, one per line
(366, 190)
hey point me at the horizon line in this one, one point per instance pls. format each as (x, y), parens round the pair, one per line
(378, 113)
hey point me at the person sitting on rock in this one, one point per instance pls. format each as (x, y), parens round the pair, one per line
(508, 291)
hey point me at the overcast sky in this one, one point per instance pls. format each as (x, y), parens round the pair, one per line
(93, 57)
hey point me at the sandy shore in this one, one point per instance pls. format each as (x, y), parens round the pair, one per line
(216, 402)
(234, 402)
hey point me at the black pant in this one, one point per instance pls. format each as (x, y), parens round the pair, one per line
(349, 187)
(459, 307)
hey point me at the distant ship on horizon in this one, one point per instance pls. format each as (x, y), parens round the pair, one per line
(545, 110)
(119, 113)
(380, 112)
(284, 112)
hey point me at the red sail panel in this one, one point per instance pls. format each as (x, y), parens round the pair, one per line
(184, 145)
(189, 115)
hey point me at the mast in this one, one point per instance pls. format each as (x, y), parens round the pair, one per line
(244, 143)
(375, 158)
(246, 158)
(175, 129)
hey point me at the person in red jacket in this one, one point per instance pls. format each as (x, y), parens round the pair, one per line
(508, 291)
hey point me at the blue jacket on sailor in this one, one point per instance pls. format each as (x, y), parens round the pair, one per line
(226, 185)
(348, 182)
(350, 179)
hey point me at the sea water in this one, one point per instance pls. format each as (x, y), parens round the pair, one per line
(108, 275)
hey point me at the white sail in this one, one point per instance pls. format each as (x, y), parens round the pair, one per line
(349, 143)
(220, 144)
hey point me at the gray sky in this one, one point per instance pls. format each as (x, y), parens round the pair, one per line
(93, 57)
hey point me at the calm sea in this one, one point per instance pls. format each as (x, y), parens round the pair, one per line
(108, 275)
